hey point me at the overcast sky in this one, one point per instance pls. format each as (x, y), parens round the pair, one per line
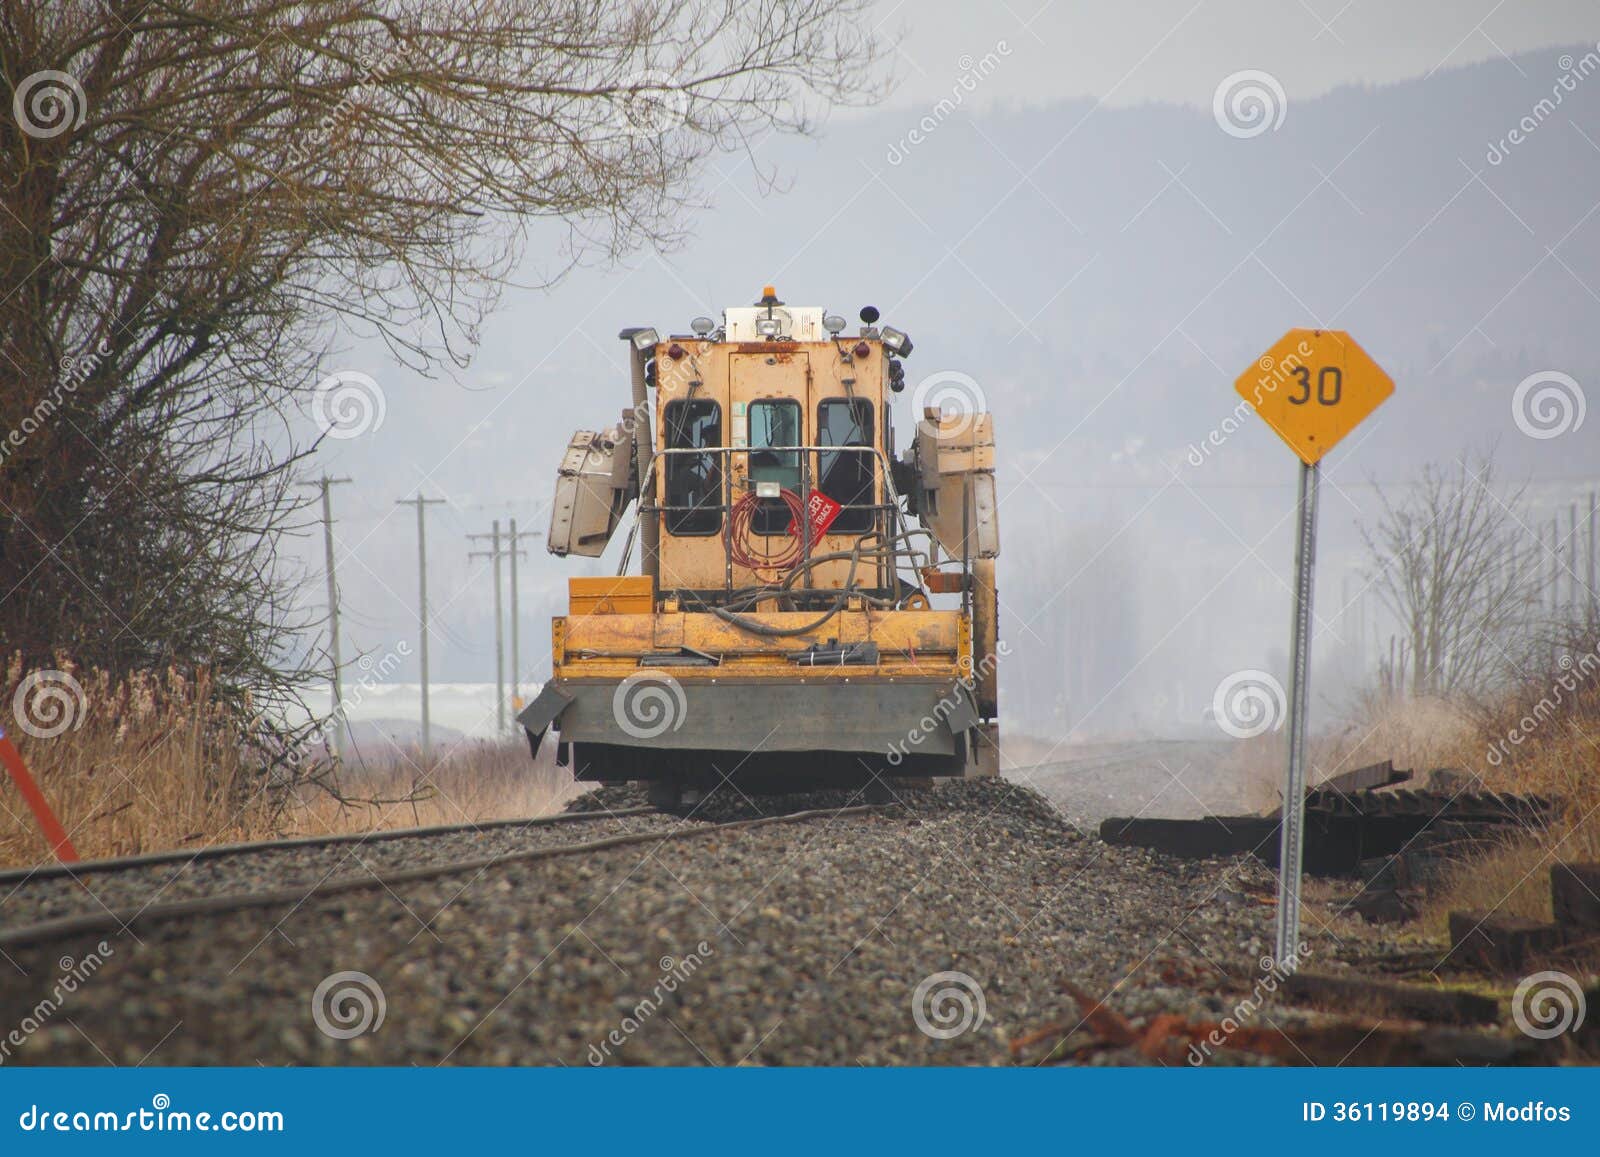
(1130, 51)
(963, 242)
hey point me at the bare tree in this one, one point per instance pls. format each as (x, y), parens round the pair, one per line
(201, 195)
(1455, 564)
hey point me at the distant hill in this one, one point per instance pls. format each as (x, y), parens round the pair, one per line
(1104, 274)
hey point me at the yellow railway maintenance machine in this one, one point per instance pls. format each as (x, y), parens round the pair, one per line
(781, 631)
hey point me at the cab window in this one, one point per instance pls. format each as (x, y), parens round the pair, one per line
(774, 424)
(847, 478)
(694, 481)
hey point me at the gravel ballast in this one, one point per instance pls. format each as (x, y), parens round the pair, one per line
(935, 932)
(247, 871)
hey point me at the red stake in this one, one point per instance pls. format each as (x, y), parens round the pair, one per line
(53, 831)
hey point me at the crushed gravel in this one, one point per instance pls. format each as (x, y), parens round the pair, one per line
(935, 932)
(115, 889)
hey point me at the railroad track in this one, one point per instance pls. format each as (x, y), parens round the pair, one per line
(810, 943)
(133, 918)
(82, 868)
(34, 894)
(1463, 807)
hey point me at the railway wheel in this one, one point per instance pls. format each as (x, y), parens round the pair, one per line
(664, 795)
(879, 790)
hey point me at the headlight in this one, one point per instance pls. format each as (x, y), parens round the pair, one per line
(833, 323)
(768, 327)
(896, 341)
(642, 338)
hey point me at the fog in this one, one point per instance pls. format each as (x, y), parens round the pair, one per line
(1102, 269)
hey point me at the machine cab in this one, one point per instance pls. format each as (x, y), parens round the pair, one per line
(773, 453)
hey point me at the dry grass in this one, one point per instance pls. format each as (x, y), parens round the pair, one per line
(1417, 734)
(142, 764)
(1514, 879)
(154, 762)
(474, 780)
(1542, 737)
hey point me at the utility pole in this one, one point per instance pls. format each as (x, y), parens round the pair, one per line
(493, 555)
(335, 688)
(1361, 631)
(503, 546)
(1593, 596)
(516, 670)
(1572, 556)
(422, 504)
(1555, 586)
(1556, 567)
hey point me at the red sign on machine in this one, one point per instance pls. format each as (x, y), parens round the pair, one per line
(820, 513)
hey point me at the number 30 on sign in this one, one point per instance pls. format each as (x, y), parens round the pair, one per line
(1313, 387)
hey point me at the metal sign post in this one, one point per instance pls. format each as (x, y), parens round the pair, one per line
(1292, 837)
(1313, 387)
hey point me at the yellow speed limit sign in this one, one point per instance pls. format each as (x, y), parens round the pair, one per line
(1313, 387)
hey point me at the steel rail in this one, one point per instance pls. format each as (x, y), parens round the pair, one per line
(126, 919)
(256, 847)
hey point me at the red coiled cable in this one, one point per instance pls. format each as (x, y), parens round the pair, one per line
(739, 534)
